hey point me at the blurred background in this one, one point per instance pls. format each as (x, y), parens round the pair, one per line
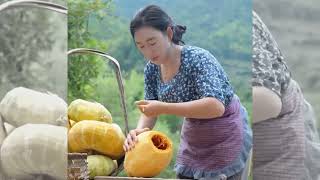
(222, 27)
(295, 26)
(33, 50)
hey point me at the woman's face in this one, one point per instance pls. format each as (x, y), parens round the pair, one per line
(153, 44)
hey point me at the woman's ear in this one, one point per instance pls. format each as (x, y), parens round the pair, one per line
(170, 32)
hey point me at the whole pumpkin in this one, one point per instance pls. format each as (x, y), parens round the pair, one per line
(79, 110)
(100, 165)
(22, 106)
(35, 149)
(102, 137)
(150, 156)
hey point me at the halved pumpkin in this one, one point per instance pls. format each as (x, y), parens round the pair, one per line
(150, 156)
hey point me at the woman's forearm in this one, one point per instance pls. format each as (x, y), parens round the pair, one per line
(202, 109)
(146, 122)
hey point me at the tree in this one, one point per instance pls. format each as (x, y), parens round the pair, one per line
(82, 68)
(28, 36)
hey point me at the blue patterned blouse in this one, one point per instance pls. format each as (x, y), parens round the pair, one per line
(200, 75)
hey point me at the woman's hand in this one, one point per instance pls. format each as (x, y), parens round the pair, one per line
(151, 108)
(132, 138)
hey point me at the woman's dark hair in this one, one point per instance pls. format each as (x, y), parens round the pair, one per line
(153, 16)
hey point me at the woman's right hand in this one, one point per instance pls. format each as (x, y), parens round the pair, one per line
(132, 138)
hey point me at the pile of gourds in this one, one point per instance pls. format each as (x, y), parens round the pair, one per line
(91, 131)
(40, 128)
(34, 136)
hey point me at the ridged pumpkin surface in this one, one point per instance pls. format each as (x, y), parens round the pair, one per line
(100, 165)
(150, 156)
(79, 110)
(102, 137)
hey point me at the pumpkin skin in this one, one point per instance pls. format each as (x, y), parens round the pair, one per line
(105, 138)
(151, 154)
(79, 110)
(100, 165)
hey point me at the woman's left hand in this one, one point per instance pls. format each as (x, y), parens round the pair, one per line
(151, 108)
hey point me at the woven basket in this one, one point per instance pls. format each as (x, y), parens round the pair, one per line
(78, 166)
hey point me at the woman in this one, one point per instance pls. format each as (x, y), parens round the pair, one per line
(286, 142)
(188, 81)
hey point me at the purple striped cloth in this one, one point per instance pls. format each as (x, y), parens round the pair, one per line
(212, 144)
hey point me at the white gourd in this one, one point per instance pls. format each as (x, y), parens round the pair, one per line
(34, 149)
(22, 105)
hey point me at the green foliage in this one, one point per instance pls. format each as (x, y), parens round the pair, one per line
(81, 71)
(29, 38)
(119, 41)
(79, 14)
(222, 27)
(83, 68)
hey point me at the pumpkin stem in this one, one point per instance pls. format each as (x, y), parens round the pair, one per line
(160, 142)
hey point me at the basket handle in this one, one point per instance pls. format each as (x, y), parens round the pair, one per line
(118, 75)
(34, 3)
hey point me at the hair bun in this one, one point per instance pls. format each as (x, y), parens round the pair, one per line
(181, 29)
(178, 31)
